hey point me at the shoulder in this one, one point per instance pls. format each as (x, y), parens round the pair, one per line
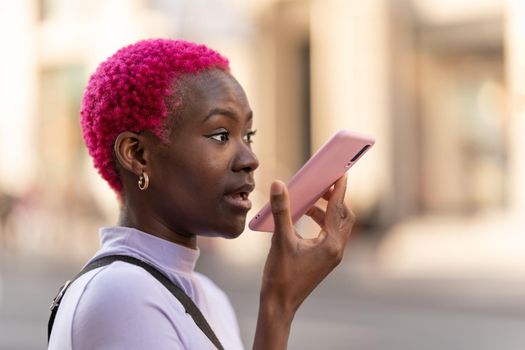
(121, 288)
(124, 302)
(121, 277)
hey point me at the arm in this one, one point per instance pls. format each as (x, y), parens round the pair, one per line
(295, 266)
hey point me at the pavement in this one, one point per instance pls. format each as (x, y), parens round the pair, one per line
(356, 307)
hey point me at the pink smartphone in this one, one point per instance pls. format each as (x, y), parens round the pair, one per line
(316, 176)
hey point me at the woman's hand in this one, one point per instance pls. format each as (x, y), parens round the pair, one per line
(295, 266)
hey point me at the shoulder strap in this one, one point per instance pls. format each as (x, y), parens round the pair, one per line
(177, 292)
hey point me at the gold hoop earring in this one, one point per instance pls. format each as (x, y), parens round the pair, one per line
(143, 181)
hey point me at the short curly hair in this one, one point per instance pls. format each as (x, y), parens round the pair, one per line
(132, 90)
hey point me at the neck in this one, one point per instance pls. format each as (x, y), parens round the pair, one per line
(151, 224)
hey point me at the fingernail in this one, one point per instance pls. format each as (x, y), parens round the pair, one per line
(277, 188)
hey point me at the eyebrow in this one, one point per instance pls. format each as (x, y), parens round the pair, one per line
(227, 113)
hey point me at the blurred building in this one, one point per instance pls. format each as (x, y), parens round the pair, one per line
(438, 83)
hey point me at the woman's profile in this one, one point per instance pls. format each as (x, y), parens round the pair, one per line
(170, 129)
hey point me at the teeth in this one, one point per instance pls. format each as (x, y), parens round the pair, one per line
(241, 195)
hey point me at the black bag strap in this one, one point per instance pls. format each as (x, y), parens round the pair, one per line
(177, 292)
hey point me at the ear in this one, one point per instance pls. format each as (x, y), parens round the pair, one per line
(129, 152)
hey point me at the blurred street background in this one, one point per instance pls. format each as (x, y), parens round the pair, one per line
(437, 260)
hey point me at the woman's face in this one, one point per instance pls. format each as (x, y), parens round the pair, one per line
(202, 179)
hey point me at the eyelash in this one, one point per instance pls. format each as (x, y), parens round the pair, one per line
(249, 136)
(226, 135)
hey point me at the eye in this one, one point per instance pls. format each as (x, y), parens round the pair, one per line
(221, 137)
(249, 135)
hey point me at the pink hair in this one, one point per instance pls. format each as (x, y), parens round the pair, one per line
(129, 92)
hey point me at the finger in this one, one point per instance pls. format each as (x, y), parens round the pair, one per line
(280, 204)
(352, 220)
(337, 213)
(328, 193)
(337, 197)
(317, 214)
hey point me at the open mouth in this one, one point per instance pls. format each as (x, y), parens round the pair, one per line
(243, 195)
(239, 200)
(240, 196)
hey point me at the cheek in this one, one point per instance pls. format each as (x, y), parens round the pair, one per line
(201, 172)
(210, 177)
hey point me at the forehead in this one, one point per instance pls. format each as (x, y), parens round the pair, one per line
(207, 90)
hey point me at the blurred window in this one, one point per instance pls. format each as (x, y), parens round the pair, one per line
(60, 146)
(462, 113)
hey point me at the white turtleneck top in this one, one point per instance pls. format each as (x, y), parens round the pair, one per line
(121, 306)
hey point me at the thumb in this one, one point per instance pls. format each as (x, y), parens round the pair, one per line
(280, 207)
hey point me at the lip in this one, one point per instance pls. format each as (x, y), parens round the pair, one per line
(238, 197)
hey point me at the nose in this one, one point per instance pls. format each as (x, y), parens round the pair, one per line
(245, 159)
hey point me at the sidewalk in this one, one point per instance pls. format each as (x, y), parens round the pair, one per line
(487, 245)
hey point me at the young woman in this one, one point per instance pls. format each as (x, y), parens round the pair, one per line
(170, 130)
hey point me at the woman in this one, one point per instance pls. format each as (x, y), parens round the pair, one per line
(170, 130)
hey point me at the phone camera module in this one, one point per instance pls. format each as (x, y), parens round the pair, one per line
(360, 153)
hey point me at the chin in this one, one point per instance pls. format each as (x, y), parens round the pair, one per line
(231, 235)
(228, 230)
(233, 230)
